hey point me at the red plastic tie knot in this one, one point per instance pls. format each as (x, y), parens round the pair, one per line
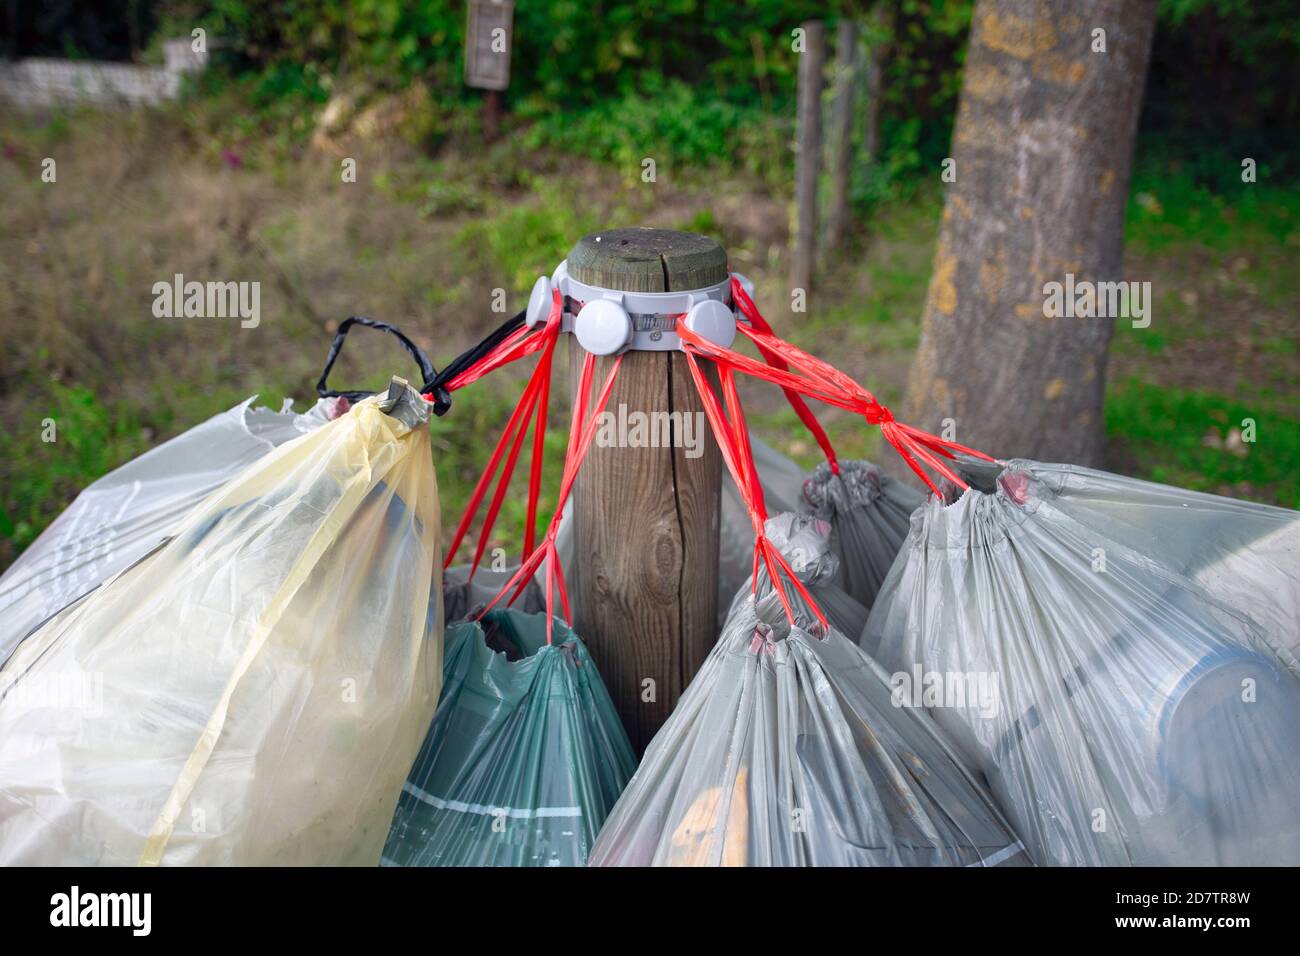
(762, 641)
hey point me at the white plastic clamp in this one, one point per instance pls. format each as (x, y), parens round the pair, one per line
(611, 321)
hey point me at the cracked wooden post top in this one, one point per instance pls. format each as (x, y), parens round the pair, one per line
(648, 260)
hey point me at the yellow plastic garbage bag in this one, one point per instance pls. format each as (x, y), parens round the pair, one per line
(253, 691)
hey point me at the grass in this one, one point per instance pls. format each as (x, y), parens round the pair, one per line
(424, 241)
(1150, 425)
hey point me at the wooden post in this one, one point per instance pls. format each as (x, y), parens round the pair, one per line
(841, 158)
(646, 519)
(808, 152)
(488, 35)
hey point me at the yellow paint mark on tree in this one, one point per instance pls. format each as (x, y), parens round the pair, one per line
(987, 83)
(1057, 69)
(940, 393)
(1026, 212)
(943, 289)
(1055, 389)
(1029, 310)
(1107, 181)
(1015, 36)
(988, 134)
(993, 275)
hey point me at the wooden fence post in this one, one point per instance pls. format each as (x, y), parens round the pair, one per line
(808, 154)
(646, 519)
(841, 137)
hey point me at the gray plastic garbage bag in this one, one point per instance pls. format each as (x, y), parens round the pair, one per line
(1246, 556)
(782, 482)
(525, 756)
(1140, 718)
(122, 516)
(254, 690)
(789, 749)
(463, 594)
(868, 512)
(805, 543)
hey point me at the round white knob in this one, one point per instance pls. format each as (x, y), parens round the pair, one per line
(539, 303)
(712, 320)
(603, 327)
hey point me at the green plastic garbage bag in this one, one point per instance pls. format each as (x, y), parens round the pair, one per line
(525, 756)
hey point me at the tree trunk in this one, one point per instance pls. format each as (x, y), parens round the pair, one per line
(808, 154)
(841, 158)
(1043, 149)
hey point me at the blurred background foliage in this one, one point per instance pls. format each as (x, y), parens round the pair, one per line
(241, 180)
(707, 82)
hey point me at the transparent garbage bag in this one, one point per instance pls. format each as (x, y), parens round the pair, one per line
(790, 749)
(119, 518)
(525, 756)
(254, 690)
(805, 543)
(868, 512)
(1142, 714)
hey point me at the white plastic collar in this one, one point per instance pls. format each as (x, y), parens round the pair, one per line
(610, 321)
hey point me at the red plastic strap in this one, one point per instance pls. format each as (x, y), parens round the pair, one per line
(733, 443)
(750, 311)
(521, 343)
(828, 384)
(539, 448)
(476, 497)
(582, 430)
(535, 394)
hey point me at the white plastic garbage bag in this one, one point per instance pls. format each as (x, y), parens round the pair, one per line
(122, 516)
(254, 690)
(1143, 715)
(789, 749)
(868, 512)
